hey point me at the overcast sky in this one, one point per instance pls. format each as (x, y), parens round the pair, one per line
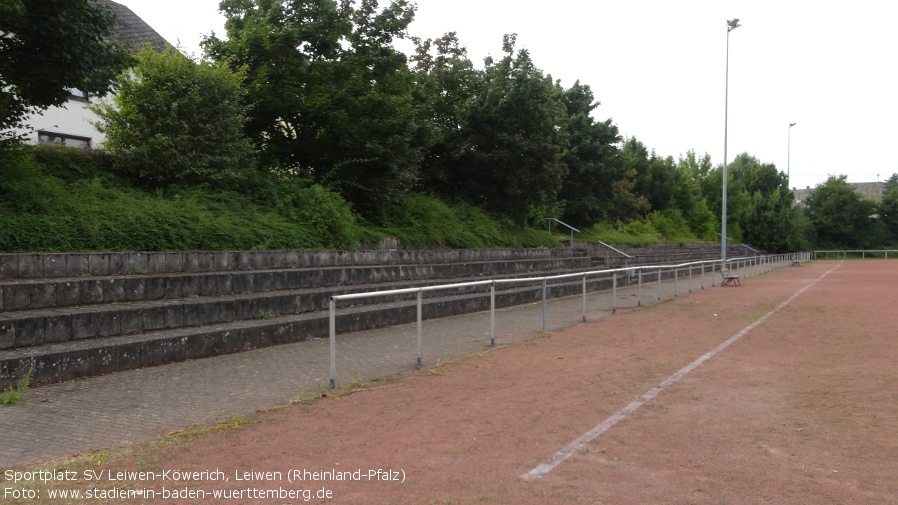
(659, 67)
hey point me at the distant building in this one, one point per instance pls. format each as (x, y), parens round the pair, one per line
(71, 124)
(868, 190)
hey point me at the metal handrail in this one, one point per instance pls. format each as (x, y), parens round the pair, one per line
(615, 250)
(630, 272)
(742, 244)
(550, 219)
(863, 252)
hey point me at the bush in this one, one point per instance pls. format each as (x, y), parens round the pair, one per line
(176, 121)
(671, 225)
(425, 221)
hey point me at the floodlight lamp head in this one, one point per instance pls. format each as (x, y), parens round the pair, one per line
(792, 124)
(733, 24)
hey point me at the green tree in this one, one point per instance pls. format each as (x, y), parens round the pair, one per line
(513, 166)
(595, 188)
(702, 220)
(891, 182)
(331, 96)
(841, 217)
(663, 182)
(47, 46)
(766, 220)
(888, 211)
(446, 82)
(177, 121)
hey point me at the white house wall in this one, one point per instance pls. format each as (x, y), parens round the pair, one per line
(74, 119)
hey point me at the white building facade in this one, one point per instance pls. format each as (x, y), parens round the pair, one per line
(71, 124)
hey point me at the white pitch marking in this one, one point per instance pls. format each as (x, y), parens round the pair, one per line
(592, 434)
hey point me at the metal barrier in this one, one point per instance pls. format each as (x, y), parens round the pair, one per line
(749, 265)
(843, 253)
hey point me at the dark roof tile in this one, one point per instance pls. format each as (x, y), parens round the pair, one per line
(131, 29)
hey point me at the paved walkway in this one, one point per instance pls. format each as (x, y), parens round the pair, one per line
(70, 418)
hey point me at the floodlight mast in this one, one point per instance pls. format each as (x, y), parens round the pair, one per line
(731, 25)
(789, 157)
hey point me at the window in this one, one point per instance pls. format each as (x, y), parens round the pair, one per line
(44, 137)
(78, 94)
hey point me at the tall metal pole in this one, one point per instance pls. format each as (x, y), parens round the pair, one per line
(731, 25)
(789, 157)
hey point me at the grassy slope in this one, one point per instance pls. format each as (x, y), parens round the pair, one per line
(62, 199)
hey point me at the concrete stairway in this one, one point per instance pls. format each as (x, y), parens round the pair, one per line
(65, 316)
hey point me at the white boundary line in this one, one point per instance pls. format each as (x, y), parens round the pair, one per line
(592, 434)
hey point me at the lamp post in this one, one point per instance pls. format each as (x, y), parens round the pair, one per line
(731, 25)
(789, 156)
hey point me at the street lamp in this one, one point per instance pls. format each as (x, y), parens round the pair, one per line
(731, 25)
(789, 156)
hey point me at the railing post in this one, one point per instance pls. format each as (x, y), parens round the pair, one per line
(333, 343)
(419, 328)
(690, 278)
(544, 304)
(614, 292)
(493, 314)
(676, 280)
(639, 290)
(584, 298)
(659, 283)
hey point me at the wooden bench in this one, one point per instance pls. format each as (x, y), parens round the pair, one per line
(730, 279)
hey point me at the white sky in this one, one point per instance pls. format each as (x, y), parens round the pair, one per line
(658, 67)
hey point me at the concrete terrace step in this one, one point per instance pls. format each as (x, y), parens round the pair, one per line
(54, 362)
(61, 265)
(30, 294)
(48, 326)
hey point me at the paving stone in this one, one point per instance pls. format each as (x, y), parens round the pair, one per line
(134, 288)
(137, 263)
(29, 331)
(109, 323)
(9, 266)
(153, 318)
(113, 290)
(68, 293)
(77, 264)
(91, 291)
(31, 266)
(155, 262)
(58, 328)
(54, 265)
(98, 264)
(85, 325)
(7, 333)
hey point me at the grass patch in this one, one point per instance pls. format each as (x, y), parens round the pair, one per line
(304, 399)
(12, 395)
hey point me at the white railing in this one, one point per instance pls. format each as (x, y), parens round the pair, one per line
(843, 253)
(654, 274)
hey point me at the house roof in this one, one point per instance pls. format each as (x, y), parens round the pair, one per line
(868, 190)
(131, 29)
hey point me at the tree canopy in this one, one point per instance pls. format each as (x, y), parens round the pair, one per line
(48, 47)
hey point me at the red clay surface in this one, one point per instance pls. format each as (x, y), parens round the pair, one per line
(802, 409)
